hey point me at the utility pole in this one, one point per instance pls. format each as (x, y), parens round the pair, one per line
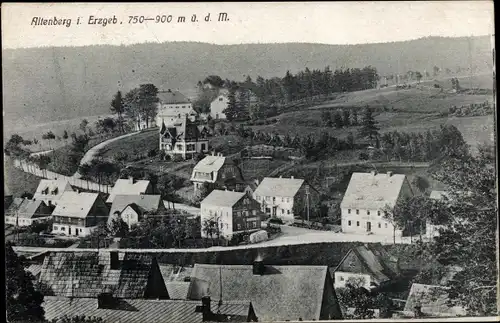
(307, 201)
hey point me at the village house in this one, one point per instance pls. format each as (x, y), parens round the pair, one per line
(174, 105)
(149, 310)
(225, 213)
(430, 301)
(91, 274)
(182, 138)
(432, 230)
(277, 196)
(368, 267)
(218, 171)
(78, 214)
(132, 208)
(277, 293)
(367, 199)
(24, 212)
(51, 190)
(130, 186)
(217, 107)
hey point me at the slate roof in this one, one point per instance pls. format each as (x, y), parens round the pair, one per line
(180, 129)
(174, 278)
(373, 263)
(372, 191)
(126, 187)
(141, 310)
(87, 274)
(172, 97)
(271, 186)
(57, 186)
(25, 208)
(209, 164)
(35, 269)
(282, 293)
(144, 203)
(433, 301)
(75, 204)
(222, 198)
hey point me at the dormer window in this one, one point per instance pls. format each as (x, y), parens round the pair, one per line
(54, 191)
(45, 191)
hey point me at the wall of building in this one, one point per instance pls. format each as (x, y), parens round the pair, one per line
(72, 230)
(129, 216)
(374, 217)
(223, 216)
(217, 106)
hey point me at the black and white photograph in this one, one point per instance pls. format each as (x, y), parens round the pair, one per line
(250, 162)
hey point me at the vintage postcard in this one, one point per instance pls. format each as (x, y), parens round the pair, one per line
(250, 162)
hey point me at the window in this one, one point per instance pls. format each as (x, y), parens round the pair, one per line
(274, 199)
(385, 213)
(267, 198)
(63, 228)
(341, 278)
(203, 147)
(183, 106)
(287, 211)
(282, 199)
(81, 230)
(357, 223)
(379, 225)
(357, 211)
(386, 225)
(349, 223)
(179, 147)
(237, 226)
(348, 211)
(367, 212)
(282, 211)
(378, 213)
(220, 99)
(288, 200)
(254, 212)
(257, 197)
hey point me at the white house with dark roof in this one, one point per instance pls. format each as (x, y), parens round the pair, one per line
(366, 200)
(129, 186)
(173, 105)
(218, 170)
(278, 293)
(78, 214)
(277, 196)
(131, 208)
(24, 212)
(225, 213)
(217, 107)
(51, 190)
(370, 266)
(182, 138)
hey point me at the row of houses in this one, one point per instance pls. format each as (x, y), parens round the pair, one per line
(117, 285)
(76, 213)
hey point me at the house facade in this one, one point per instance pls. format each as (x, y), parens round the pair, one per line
(367, 199)
(277, 196)
(51, 190)
(225, 213)
(182, 138)
(217, 107)
(132, 208)
(219, 171)
(25, 212)
(368, 267)
(174, 105)
(78, 214)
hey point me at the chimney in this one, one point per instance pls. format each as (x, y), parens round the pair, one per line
(213, 153)
(291, 177)
(106, 300)
(258, 267)
(389, 174)
(205, 309)
(373, 172)
(281, 176)
(114, 261)
(131, 180)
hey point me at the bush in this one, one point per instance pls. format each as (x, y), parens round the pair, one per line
(153, 152)
(363, 156)
(177, 158)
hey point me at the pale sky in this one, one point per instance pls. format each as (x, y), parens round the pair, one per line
(329, 23)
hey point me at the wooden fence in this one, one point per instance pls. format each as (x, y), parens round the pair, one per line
(76, 182)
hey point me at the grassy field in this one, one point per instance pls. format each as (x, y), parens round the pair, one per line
(258, 168)
(138, 144)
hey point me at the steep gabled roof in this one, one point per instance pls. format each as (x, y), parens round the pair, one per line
(88, 274)
(128, 187)
(52, 188)
(142, 310)
(433, 301)
(209, 164)
(145, 203)
(181, 130)
(75, 204)
(282, 293)
(372, 191)
(272, 186)
(25, 208)
(172, 97)
(222, 198)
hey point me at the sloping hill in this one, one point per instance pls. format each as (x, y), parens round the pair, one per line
(44, 84)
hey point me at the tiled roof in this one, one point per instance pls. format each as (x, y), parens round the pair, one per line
(87, 274)
(433, 300)
(174, 278)
(25, 208)
(54, 188)
(172, 97)
(271, 186)
(178, 290)
(141, 310)
(35, 269)
(75, 204)
(282, 293)
(144, 202)
(372, 191)
(209, 164)
(222, 198)
(128, 187)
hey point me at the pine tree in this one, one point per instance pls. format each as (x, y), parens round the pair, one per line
(231, 110)
(118, 107)
(369, 127)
